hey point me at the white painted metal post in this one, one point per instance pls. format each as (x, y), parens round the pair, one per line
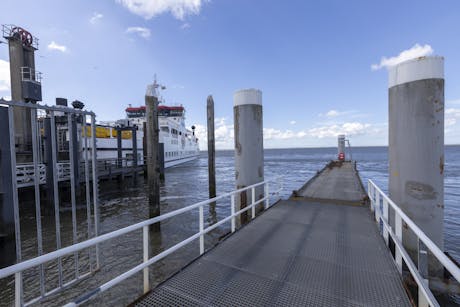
(385, 218)
(398, 229)
(377, 206)
(18, 289)
(201, 230)
(233, 212)
(423, 270)
(145, 237)
(253, 190)
(371, 196)
(267, 195)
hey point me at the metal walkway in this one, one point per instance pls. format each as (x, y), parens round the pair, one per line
(338, 182)
(297, 253)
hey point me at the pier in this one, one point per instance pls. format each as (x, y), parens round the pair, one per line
(304, 251)
(331, 242)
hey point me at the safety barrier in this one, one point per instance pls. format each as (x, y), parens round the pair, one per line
(380, 205)
(17, 269)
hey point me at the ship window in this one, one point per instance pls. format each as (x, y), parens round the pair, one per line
(165, 129)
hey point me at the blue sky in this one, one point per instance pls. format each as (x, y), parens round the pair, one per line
(311, 59)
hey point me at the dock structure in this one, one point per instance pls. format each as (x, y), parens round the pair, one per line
(337, 182)
(309, 250)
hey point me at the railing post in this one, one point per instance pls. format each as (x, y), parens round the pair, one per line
(201, 230)
(385, 218)
(398, 229)
(371, 196)
(18, 289)
(267, 195)
(233, 212)
(253, 192)
(423, 270)
(145, 237)
(377, 207)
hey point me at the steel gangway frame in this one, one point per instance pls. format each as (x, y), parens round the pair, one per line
(34, 174)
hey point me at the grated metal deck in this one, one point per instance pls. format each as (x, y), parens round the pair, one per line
(338, 182)
(297, 253)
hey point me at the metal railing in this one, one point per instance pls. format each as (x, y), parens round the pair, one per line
(380, 205)
(19, 268)
(35, 178)
(25, 174)
(30, 74)
(12, 31)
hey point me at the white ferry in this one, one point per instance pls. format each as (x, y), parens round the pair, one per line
(180, 144)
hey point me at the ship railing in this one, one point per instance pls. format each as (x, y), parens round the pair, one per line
(25, 174)
(271, 191)
(380, 205)
(63, 169)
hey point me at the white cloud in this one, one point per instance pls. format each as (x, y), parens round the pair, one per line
(151, 8)
(142, 32)
(350, 129)
(96, 16)
(348, 114)
(5, 84)
(412, 53)
(452, 115)
(55, 46)
(185, 26)
(275, 134)
(223, 132)
(293, 122)
(332, 113)
(202, 135)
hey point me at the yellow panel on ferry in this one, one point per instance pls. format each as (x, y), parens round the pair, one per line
(101, 132)
(126, 135)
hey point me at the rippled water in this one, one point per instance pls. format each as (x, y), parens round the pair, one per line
(126, 203)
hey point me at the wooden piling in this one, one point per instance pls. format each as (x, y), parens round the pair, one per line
(153, 178)
(211, 148)
(211, 157)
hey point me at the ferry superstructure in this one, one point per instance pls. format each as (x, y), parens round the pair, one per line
(180, 144)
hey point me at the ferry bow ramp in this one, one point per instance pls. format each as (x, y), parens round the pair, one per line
(319, 248)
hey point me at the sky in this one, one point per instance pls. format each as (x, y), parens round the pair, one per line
(321, 65)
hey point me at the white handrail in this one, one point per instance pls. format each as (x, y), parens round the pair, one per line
(442, 258)
(381, 215)
(22, 266)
